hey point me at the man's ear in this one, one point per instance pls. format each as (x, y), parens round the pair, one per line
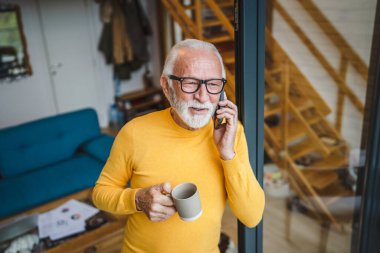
(165, 86)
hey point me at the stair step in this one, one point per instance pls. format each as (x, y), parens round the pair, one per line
(228, 57)
(275, 71)
(313, 119)
(269, 94)
(271, 110)
(295, 131)
(302, 103)
(221, 4)
(331, 163)
(320, 179)
(215, 21)
(334, 192)
(219, 38)
(301, 149)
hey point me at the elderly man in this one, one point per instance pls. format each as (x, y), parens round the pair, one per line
(160, 150)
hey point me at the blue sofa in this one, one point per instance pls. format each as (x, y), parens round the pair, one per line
(50, 158)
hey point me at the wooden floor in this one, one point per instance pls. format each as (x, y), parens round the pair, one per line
(304, 236)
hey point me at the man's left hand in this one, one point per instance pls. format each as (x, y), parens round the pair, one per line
(225, 135)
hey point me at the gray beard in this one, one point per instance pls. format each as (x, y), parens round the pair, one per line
(181, 107)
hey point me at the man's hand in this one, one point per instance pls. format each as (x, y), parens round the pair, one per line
(224, 137)
(156, 202)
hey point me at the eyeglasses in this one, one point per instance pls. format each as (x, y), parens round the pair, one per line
(191, 85)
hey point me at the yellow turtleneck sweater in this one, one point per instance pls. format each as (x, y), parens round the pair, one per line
(153, 149)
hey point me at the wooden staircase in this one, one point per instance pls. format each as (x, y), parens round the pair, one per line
(298, 138)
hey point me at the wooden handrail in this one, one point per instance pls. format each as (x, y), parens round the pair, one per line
(314, 50)
(340, 43)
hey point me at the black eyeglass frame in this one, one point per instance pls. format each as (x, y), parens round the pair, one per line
(200, 82)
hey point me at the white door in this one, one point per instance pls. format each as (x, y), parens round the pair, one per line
(70, 54)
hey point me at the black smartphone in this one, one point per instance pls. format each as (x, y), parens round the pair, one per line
(218, 122)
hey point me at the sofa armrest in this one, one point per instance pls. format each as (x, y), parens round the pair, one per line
(99, 147)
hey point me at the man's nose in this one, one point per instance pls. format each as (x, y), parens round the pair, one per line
(202, 95)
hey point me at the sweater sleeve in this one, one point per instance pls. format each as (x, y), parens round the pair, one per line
(245, 195)
(110, 192)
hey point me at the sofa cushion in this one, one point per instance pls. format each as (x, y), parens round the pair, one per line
(46, 184)
(45, 141)
(99, 147)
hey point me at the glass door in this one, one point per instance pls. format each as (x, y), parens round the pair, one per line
(317, 58)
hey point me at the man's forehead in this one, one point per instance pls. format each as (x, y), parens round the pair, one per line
(190, 59)
(196, 53)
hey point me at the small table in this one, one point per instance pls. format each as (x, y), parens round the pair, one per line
(107, 238)
(140, 102)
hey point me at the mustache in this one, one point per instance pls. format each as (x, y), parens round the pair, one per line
(198, 105)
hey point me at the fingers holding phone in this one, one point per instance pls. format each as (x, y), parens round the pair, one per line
(218, 121)
(225, 133)
(226, 112)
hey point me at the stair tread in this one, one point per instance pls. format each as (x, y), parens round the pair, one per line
(313, 119)
(295, 130)
(335, 190)
(219, 38)
(302, 103)
(269, 93)
(301, 149)
(320, 179)
(215, 21)
(331, 163)
(222, 4)
(228, 56)
(271, 110)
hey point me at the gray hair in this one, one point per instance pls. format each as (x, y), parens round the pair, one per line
(187, 44)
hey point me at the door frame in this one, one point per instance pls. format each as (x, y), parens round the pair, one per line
(249, 80)
(249, 69)
(366, 224)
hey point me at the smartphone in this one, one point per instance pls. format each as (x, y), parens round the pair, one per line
(218, 122)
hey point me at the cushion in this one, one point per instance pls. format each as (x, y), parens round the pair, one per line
(46, 141)
(40, 186)
(99, 147)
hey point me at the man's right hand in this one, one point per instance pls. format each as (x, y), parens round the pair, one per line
(156, 202)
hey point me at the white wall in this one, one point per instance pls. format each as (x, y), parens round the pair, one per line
(354, 20)
(32, 97)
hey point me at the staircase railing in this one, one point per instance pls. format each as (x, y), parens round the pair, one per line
(347, 52)
(349, 56)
